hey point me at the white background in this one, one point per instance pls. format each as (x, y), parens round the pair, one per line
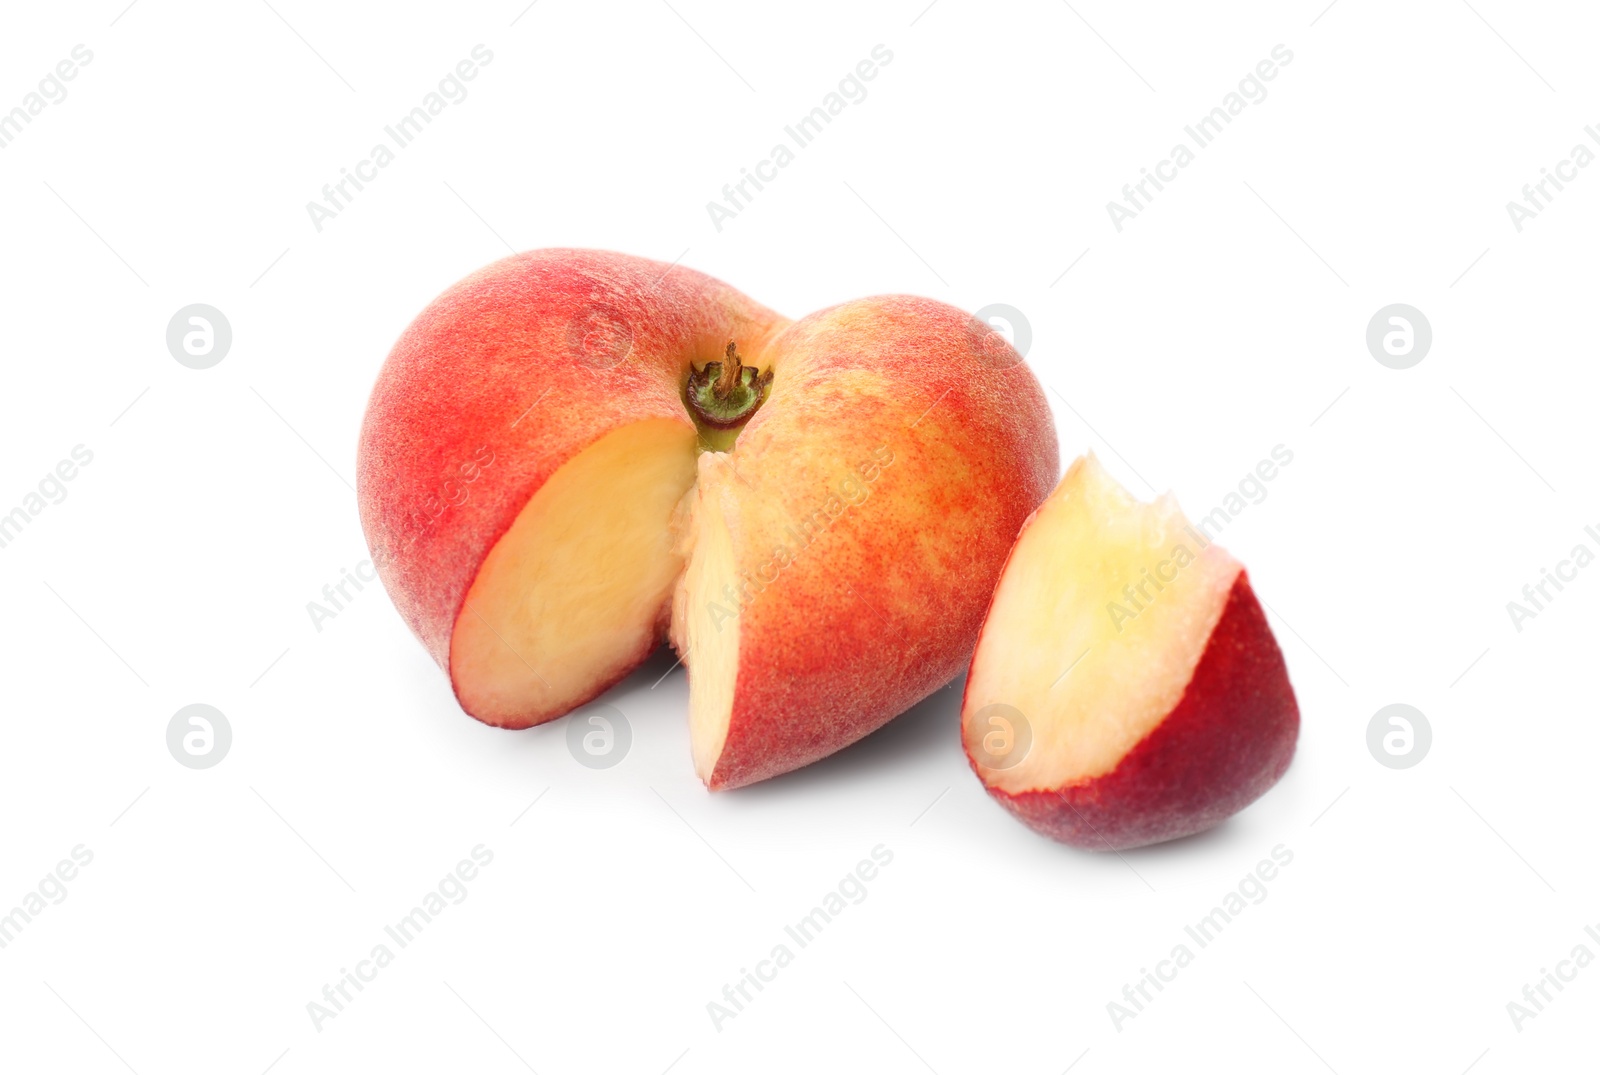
(1226, 319)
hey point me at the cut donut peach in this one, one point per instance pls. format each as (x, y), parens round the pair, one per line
(565, 463)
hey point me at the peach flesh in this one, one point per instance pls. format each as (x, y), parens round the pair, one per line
(1160, 705)
(1104, 680)
(574, 592)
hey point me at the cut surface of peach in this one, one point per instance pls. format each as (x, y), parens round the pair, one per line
(1095, 630)
(575, 594)
(703, 619)
(619, 544)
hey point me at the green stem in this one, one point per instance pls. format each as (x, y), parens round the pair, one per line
(723, 395)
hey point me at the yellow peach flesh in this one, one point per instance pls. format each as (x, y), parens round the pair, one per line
(1098, 622)
(573, 594)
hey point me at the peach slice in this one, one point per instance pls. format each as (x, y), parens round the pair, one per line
(580, 579)
(1126, 688)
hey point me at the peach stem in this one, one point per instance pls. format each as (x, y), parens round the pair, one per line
(730, 372)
